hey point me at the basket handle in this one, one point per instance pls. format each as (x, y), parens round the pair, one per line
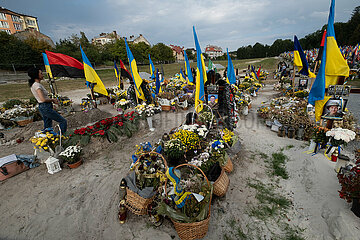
(57, 125)
(164, 160)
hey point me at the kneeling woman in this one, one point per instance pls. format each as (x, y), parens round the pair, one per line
(45, 103)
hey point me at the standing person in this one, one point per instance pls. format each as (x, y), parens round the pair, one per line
(45, 103)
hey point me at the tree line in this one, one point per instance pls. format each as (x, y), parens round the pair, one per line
(346, 34)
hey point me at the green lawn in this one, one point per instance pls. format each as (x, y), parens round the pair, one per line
(22, 91)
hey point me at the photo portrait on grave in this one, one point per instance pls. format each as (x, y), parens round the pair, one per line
(333, 109)
(212, 100)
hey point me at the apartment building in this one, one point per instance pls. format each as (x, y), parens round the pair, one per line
(13, 22)
(213, 51)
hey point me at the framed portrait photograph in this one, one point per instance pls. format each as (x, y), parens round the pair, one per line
(303, 83)
(333, 109)
(213, 100)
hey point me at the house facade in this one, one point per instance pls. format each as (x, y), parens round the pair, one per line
(178, 53)
(13, 22)
(213, 51)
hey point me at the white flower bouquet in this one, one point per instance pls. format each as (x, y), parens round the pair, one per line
(199, 130)
(71, 154)
(340, 136)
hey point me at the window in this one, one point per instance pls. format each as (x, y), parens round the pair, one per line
(17, 26)
(15, 18)
(5, 30)
(4, 24)
(30, 22)
(2, 16)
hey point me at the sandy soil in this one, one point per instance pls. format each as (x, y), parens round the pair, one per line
(82, 203)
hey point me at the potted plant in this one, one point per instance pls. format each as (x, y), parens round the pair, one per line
(72, 156)
(174, 150)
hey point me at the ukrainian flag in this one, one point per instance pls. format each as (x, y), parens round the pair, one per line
(157, 83)
(300, 59)
(134, 73)
(182, 75)
(201, 77)
(332, 66)
(91, 76)
(188, 69)
(152, 69)
(117, 73)
(47, 65)
(230, 76)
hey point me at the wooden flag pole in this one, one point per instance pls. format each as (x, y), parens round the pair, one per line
(92, 94)
(293, 81)
(312, 82)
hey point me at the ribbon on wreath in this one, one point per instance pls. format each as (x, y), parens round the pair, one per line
(329, 150)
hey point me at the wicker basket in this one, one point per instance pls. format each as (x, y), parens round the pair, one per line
(135, 203)
(228, 166)
(195, 230)
(25, 121)
(221, 185)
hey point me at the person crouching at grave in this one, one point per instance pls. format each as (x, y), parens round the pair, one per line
(45, 103)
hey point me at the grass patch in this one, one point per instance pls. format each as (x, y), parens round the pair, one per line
(263, 155)
(289, 147)
(271, 203)
(278, 165)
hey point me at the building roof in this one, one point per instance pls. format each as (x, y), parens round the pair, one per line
(2, 9)
(177, 49)
(212, 48)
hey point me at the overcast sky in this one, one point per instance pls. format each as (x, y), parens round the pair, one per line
(226, 23)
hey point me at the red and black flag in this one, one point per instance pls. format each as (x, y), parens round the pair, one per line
(65, 66)
(321, 46)
(124, 72)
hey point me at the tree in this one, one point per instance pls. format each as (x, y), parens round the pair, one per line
(190, 54)
(162, 53)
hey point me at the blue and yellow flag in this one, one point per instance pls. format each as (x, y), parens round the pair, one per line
(230, 76)
(188, 69)
(91, 76)
(300, 59)
(253, 73)
(117, 73)
(157, 83)
(182, 76)
(152, 69)
(47, 65)
(201, 77)
(332, 66)
(134, 73)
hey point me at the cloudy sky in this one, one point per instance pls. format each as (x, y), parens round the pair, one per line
(226, 23)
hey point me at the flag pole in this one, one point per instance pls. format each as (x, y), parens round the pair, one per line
(92, 94)
(293, 81)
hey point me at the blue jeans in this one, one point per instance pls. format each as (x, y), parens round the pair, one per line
(49, 114)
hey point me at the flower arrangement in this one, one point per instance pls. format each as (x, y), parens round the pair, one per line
(200, 130)
(228, 136)
(71, 154)
(145, 110)
(200, 159)
(18, 111)
(349, 179)
(174, 149)
(205, 117)
(319, 134)
(340, 136)
(301, 93)
(188, 138)
(149, 171)
(46, 142)
(187, 197)
(122, 104)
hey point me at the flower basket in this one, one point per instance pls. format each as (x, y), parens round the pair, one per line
(194, 230)
(228, 167)
(221, 185)
(23, 121)
(74, 165)
(134, 202)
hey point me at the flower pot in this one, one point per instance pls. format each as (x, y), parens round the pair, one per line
(334, 158)
(75, 165)
(356, 207)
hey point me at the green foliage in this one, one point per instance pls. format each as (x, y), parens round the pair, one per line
(11, 103)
